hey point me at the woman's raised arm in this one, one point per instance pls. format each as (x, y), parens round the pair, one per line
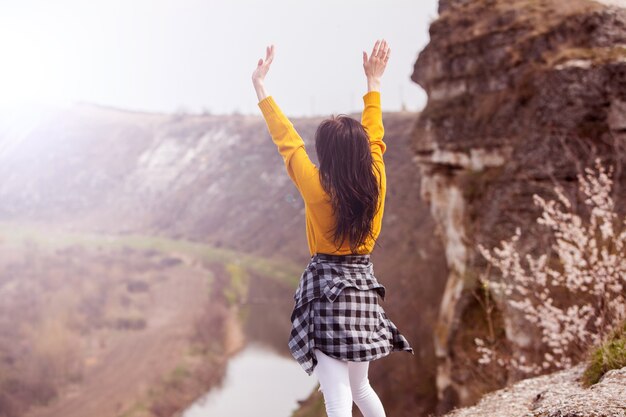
(372, 118)
(290, 145)
(258, 76)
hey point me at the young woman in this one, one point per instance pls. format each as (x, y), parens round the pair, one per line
(338, 327)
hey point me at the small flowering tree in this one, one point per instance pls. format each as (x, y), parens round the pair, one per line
(575, 305)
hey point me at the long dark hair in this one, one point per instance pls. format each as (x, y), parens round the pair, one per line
(346, 173)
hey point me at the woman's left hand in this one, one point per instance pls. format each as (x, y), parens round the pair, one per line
(263, 67)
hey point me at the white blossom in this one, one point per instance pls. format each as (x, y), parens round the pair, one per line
(592, 272)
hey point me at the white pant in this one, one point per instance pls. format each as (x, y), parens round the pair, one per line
(342, 382)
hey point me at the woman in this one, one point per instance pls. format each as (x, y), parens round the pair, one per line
(338, 327)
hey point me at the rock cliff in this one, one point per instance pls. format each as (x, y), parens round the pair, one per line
(521, 95)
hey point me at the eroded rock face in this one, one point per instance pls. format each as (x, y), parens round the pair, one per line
(522, 95)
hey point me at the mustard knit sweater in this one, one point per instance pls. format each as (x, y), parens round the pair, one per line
(304, 174)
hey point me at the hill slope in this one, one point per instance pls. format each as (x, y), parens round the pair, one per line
(220, 180)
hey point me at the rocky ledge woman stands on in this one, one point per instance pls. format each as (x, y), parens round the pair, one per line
(338, 327)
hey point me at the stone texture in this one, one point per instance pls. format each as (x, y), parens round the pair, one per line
(522, 96)
(556, 395)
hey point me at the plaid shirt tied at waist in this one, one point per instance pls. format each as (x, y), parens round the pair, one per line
(336, 310)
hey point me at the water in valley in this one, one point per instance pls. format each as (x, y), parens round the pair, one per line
(259, 382)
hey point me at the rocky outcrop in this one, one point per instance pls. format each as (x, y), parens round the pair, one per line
(555, 395)
(521, 96)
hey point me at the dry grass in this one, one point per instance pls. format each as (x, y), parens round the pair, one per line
(72, 297)
(54, 311)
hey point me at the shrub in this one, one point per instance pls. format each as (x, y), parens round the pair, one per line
(575, 305)
(610, 354)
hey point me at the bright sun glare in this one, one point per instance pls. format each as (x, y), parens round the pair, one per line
(32, 69)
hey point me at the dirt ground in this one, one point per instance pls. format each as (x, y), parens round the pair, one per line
(130, 365)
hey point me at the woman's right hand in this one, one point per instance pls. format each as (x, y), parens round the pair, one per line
(258, 76)
(374, 66)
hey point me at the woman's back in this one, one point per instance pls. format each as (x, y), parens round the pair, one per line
(319, 215)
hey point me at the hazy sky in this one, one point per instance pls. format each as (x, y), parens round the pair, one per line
(164, 55)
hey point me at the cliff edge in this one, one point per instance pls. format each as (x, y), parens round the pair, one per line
(521, 96)
(555, 395)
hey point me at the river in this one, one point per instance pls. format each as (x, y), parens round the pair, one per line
(258, 382)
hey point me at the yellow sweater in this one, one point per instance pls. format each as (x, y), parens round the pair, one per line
(304, 174)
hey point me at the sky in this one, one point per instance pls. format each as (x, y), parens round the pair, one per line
(199, 55)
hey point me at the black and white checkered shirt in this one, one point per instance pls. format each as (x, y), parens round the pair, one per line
(336, 311)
